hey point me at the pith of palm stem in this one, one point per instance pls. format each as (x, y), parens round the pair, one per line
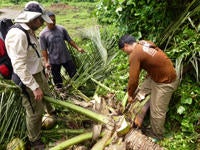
(135, 108)
(100, 145)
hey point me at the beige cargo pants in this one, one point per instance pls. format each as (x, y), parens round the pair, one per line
(34, 119)
(160, 97)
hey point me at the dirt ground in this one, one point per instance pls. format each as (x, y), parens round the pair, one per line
(12, 13)
(8, 13)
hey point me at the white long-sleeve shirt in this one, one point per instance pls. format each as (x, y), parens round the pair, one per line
(25, 60)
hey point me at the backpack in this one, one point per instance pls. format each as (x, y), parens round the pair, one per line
(6, 69)
(5, 63)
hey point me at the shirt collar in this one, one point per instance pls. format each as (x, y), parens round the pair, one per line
(25, 26)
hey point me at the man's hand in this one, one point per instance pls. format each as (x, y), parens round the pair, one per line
(38, 94)
(47, 70)
(48, 66)
(81, 50)
(131, 99)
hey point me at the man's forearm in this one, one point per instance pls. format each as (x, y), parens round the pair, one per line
(45, 55)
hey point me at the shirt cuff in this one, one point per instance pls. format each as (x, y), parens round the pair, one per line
(34, 86)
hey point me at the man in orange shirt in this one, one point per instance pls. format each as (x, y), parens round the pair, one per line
(161, 80)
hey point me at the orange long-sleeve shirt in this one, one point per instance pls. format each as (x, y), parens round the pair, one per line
(158, 66)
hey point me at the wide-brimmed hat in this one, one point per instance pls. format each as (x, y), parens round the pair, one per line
(31, 11)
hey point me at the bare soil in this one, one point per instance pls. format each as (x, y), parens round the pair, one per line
(9, 12)
(12, 12)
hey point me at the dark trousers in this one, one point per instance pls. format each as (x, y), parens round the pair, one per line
(70, 68)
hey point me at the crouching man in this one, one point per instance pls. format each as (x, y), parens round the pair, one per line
(160, 83)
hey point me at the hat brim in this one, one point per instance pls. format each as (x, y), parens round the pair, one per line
(26, 16)
(46, 18)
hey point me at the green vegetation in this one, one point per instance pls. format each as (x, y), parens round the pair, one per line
(174, 26)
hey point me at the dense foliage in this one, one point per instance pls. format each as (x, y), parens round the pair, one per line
(174, 26)
(50, 1)
(12, 118)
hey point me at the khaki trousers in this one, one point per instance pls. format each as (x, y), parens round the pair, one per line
(34, 119)
(160, 97)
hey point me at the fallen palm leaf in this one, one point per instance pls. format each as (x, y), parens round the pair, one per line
(12, 116)
(91, 114)
(110, 134)
(109, 124)
(64, 131)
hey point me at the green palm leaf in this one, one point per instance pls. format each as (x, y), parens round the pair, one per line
(95, 63)
(192, 9)
(12, 118)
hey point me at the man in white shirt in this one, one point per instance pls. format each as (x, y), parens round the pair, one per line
(27, 65)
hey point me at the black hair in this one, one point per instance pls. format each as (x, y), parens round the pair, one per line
(128, 39)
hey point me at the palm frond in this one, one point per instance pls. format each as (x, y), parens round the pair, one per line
(194, 61)
(12, 118)
(179, 66)
(93, 33)
(95, 63)
(169, 32)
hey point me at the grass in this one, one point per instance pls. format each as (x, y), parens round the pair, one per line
(74, 16)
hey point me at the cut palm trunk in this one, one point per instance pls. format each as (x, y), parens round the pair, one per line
(141, 114)
(136, 111)
(133, 138)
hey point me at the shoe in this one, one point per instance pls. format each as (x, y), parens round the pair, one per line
(60, 92)
(54, 114)
(37, 145)
(154, 137)
(59, 89)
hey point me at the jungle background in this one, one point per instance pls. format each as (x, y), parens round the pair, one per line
(174, 25)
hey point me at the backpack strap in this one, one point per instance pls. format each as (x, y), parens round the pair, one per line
(28, 37)
(5, 24)
(15, 77)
